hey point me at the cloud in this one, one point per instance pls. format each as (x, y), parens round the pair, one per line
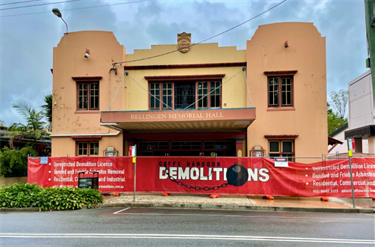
(26, 42)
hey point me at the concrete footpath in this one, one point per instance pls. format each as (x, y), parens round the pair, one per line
(363, 205)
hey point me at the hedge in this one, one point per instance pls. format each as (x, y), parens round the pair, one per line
(31, 195)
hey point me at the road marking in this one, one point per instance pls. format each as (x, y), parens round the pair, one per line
(186, 237)
(120, 210)
(243, 216)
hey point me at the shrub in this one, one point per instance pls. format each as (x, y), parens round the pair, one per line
(31, 195)
(14, 161)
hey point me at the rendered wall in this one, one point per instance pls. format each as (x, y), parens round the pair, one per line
(307, 54)
(69, 61)
(233, 92)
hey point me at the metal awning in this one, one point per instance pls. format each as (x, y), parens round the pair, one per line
(195, 120)
(362, 132)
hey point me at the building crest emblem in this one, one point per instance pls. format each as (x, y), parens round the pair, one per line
(183, 42)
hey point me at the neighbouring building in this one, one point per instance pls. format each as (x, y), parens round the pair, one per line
(361, 122)
(339, 145)
(268, 100)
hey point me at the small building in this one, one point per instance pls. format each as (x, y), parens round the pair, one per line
(338, 145)
(187, 99)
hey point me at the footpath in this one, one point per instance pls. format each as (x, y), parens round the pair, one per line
(236, 202)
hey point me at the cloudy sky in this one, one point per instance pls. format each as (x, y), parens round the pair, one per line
(28, 35)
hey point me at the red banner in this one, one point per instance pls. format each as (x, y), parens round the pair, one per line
(208, 175)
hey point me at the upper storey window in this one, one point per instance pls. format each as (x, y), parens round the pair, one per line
(88, 96)
(88, 93)
(280, 89)
(181, 95)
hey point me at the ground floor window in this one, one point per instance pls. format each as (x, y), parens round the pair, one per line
(87, 148)
(281, 148)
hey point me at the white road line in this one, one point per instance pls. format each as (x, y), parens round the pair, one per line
(245, 216)
(186, 237)
(120, 210)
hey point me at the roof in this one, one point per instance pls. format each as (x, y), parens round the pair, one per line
(339, 130)
(332, 141)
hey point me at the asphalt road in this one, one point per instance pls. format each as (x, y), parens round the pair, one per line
(182, 227)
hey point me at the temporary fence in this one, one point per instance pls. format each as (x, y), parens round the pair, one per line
(208, 175)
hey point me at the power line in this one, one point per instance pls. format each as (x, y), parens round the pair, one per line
(36, 5)
(20, 2)
(89, 7)
(230, 29)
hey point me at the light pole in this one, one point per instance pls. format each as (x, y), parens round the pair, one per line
(57, 12)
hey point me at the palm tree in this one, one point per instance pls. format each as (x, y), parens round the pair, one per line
(34, 129)
(48, 107)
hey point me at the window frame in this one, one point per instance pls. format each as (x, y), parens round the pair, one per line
(279, 78)
(281, 152)
(88, 109)
(88, 144)
(280, 75)
(196, 82)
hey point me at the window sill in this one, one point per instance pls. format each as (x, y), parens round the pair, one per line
(281, 109)
(87, 112)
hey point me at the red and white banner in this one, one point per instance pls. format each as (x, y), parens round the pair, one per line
(208, 175)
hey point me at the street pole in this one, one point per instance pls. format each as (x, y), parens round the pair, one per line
(350, 153)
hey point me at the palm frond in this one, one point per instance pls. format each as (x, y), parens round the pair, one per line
(23, 107)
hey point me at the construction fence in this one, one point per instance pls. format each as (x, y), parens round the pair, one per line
(211, 175)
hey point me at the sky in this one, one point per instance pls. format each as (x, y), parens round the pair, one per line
(28, 35)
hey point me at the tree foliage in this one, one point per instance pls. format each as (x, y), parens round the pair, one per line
(34, 129)
(48, 107)
(339, 102)
(14, 161)
(334, 120)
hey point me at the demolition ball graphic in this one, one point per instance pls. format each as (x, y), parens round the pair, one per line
(237, 175)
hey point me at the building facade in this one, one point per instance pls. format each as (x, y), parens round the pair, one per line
(196, 100)
(361, 121)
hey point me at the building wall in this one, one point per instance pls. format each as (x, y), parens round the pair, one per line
(69, 61)
(233, 93)
(307, 54)
(265, 52)
(360, 101)
(5, 182)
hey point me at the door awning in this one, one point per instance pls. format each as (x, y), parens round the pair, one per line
(205, 120)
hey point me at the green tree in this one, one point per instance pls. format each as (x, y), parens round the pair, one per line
(34, 129)
(2, 123)
(48, 107)
(14, 161)
(334, 120)
(339, 102)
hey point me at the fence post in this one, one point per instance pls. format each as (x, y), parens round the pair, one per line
(135, 168)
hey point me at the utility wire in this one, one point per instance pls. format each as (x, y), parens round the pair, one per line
(89, 7)
(36, 5)
(230, 29)
(20, 2)
(126, 73)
